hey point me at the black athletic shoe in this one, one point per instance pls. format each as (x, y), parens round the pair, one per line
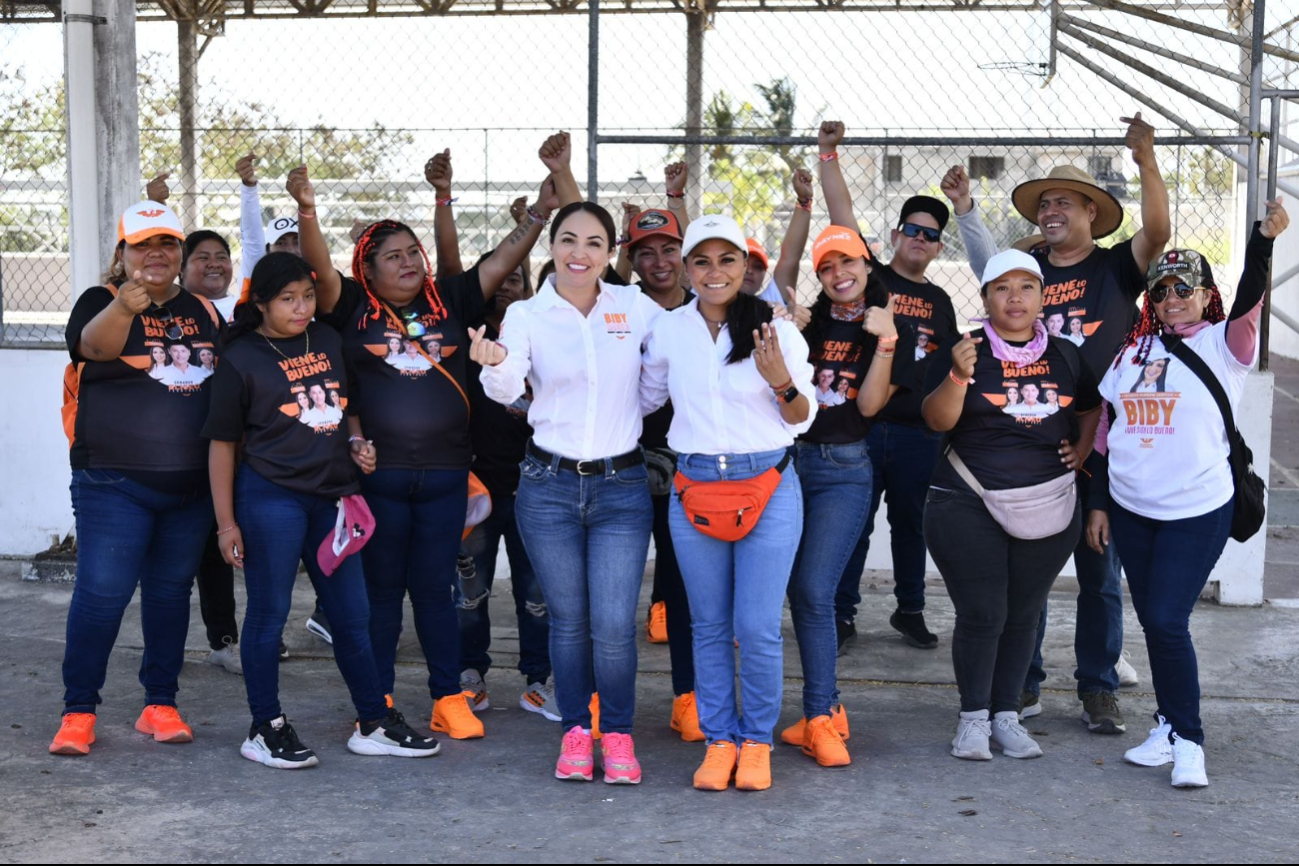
(846, 631)
(912, 628)
(284, 652)
(392, 736)
(276, 744)
(319, 626)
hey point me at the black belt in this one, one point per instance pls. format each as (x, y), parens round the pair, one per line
(589, 467)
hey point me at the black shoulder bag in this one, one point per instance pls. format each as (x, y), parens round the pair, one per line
(1250, 508)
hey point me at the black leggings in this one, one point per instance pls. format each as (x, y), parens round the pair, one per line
(670, 589)
(216, 595)
(998, 585)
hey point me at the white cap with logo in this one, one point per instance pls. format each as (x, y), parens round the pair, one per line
(713, 226)
(279, 227)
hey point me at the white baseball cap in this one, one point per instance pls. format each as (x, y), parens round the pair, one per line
(279, 227)
(713, 226)
(145, 219)
(1010, 260)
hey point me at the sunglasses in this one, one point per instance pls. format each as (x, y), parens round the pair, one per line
(170, 326)
(1159, 293)
(912, 230)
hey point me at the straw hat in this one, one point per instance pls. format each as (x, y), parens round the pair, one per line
(1109, 213)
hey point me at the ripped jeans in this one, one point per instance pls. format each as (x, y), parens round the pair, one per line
(474, 590)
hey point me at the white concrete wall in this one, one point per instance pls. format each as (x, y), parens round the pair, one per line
(34, 475)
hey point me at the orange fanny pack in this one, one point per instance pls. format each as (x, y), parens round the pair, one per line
(728, 510)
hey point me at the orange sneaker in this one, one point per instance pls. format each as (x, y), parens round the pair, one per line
(164, 725)
(656, 625)
(685, 718)
(595, 716)
(754, 767)
(793, 735)
(715, 773)
(452, 716)
(76, 733)
(823, 742)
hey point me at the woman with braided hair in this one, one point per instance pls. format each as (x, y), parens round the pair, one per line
(1171, 493)
(416, 416)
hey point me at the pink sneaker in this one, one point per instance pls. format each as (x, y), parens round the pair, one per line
(577, 757)
(620, 764)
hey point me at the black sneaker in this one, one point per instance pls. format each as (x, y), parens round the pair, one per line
(1030, 704)
(319, 626)
(1101, 713)
(846, 631)
(912, 628)
(276, 744)
(392, 736)
(284, 652)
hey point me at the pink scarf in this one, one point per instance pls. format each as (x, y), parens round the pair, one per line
(1020, 356)
(1189, 330)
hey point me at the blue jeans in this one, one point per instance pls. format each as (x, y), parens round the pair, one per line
(902, 463)
(1168, 562)
(419, 516)
(836, 485)
(128, 533)
(1098, 634)
(281, 527)
(473, 597)
(588, 538)
(737, 592)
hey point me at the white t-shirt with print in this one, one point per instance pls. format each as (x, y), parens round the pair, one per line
(1168, 451)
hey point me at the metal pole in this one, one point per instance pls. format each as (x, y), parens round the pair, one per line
(696, 23)
(1221, 35)
(1264, 326)
(1255, 116)
(1180, 57)
(187, 93)
(593, 100)
(83, 189)
(1197, 137)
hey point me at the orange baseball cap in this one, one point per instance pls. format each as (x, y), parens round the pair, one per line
(838, 239)
(757, 251)
(653, 222)
(145, 219)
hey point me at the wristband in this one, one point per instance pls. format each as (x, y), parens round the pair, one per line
(962, 382)
(830, 157)
(535, 216)
(805, 205)
(887, 341)
(351, 439)
(676, 195)
(221, 532)
(889, 354)
(624, 240)
(780, 389)
(446, 202)
(303, 215)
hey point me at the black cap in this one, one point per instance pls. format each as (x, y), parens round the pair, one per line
(925, 204)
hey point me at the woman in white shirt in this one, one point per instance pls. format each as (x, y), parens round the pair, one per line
(1171, 495)
(583, 504)
(742, 389)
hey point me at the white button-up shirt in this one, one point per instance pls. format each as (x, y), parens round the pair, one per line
(584, 370)
(719, 408)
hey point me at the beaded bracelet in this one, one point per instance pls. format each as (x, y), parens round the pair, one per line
(885, 354)
(830, 157)
(446, 202)
(535, 216)
(227, 529)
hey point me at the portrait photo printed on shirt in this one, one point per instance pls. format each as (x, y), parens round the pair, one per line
(1148, 406)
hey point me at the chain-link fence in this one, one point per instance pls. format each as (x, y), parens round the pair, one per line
(364, 93)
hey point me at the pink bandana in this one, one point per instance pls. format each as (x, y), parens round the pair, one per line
(1020, 356)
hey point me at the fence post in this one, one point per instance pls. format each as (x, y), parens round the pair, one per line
(117, 117)
(1255, 115)
(83, 188)
(593, 101)
(187, 92)
(696, 24)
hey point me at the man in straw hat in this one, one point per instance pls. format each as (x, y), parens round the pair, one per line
(1100, 287)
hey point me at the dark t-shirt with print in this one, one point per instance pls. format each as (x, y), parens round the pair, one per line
(654, 427)
(407, 372)
(141, 413)
(289, 398)
(1093, 304)
(841, 353)
(1014, 418)
(500, 433)
(928, 311)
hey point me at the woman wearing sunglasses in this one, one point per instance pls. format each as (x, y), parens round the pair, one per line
(139, 474)
(1171, 491)
(416, 413)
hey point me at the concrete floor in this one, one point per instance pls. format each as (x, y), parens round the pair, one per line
(903, 799)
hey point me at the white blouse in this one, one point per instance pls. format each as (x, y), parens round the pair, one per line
(584, 370)
(719, 408)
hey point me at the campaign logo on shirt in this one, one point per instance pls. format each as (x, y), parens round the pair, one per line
(1028, 394)
(412, 357)
(1070, 324)
(925, 343)
(1148, 405)
(913, 307)
(617, 325)
(835, 387)
(182, 364)
(315, 397)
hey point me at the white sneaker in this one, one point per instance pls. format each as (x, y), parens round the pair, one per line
(971, 741)
(1188, 764)
(227, 658)
(540, 698)
(471, 683)
(1127, 673)
(393, 737)
(1009, 736)
(1156, 750)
